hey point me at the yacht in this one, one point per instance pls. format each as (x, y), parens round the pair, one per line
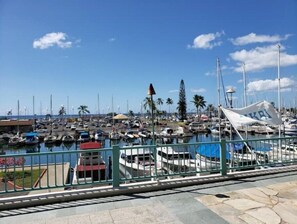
(176, 159)
(90, 166)
(138, 161)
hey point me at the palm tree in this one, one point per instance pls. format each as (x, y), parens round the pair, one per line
(169, 102)
(148, 104)
(199, 102)
(159, 102)
(82, 110)
(131, 113)
(62, 111)
(9, 113)
(211, 110)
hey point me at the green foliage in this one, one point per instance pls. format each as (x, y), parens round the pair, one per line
(199, 102)
(27, 177)
(182, 103)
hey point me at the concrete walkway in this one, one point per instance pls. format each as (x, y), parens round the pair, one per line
(262, 199)
(60, 171)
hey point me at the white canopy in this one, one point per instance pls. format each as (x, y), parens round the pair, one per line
(120, 117)
(261, 113)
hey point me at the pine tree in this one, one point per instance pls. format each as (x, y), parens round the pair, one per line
(182, 103)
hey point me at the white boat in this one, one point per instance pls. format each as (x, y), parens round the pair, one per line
(166, 132)
(90, 166)
(99, 135)
(68, 139)
(50, 139)
(114, 135)
(131, 134)
(290, 127)
(289, 148)
(84, 137)
(176, 159)
(215, 130)
(196, 127)
(31, 138)
(16, 140)
(183, 132)
(138, 161)
(167, 135)
(144, 133)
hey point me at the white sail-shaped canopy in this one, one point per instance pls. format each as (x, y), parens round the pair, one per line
(258, 113)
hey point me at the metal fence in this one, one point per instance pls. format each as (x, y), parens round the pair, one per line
(116, 165)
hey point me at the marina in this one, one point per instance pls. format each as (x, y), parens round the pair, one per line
(91, 161)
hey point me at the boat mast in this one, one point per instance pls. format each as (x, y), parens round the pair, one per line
(68, 105)
(244, 85)
(219, 96)
(98, 107)
(278, 92)
(18, 117)
(34, 113)
(112, 110)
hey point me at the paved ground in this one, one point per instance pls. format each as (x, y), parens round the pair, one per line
(262, 199)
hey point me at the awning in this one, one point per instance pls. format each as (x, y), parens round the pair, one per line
(120, 117)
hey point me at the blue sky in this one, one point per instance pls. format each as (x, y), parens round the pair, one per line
(78, 49)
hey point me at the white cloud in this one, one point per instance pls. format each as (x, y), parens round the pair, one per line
(254, 38)
(173, 91)
(112, 39)
(52, 39)
(201, 90)
(286, 84)
(262, 57)
(207, 41)
(210, 74)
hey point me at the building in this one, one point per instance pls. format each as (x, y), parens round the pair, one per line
(13, 126)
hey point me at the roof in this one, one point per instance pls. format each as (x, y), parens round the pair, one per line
(83, 168)
(91, 145)
(4, 123)
(31, 134)
(120, 117)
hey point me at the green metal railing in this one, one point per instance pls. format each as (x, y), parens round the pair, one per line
(116, 165)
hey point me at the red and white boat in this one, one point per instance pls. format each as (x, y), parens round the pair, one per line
(90, 166)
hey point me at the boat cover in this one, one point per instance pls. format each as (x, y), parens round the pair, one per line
(211, 151)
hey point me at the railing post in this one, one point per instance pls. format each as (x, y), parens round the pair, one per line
(223, 163)
(155, 162)
(115, 166)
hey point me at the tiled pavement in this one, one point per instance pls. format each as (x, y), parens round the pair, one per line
(261, 199)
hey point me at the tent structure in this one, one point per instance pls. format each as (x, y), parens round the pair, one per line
(120, 117)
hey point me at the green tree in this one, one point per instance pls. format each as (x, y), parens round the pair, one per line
(148, 105)
(62, 111)
(210, 109)
(160, 102)
(131, 113)
(9, 113)
(169, 102)
(199, 102)
(182, 103)
(82, 110)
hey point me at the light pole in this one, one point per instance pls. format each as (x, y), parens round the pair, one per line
(152, 92)
(230, 91)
